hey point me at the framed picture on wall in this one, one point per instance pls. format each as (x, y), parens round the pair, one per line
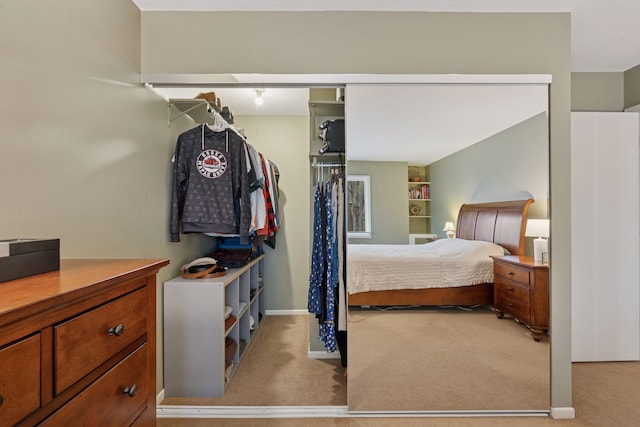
(358, 209)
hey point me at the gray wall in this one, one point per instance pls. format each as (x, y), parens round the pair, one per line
(429, 43)
(85, 151)
(83, 138)
(389, 204)
(597, 91)
(632, 87)
(284, 141)
(511, 165)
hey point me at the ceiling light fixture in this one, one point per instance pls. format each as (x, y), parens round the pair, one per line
(259, 98)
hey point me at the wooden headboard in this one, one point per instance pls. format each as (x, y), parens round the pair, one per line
(502, 223)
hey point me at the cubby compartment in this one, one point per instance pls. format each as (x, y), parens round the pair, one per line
(195, 332)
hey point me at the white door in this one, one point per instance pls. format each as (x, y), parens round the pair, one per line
(605, 290)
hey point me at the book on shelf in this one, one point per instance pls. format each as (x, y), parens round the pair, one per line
(420, 193)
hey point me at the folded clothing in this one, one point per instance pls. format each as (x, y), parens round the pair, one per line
(230, 347)
(229, 321)
(227, 311)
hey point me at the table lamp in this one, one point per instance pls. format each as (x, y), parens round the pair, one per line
(450, 229)
(538, 228)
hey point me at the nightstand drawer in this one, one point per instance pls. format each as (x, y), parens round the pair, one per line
(512, 305)
(511, 272)
(512, 288)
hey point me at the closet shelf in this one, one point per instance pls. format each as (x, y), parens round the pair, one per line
(243, 308)
(228, 330)
(327, 108)
(201, 111)
(198, 109)
(319, 111)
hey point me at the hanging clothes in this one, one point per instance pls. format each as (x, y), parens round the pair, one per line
(327, 328)
(341, 333)
(210, 184)
(271, 201)
(342, 248)
(222, 186)
(326, 293)
(316, 300)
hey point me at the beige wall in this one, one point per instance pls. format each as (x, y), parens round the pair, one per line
(285, 141)
(379, 42)
(80, 137)
(84, 148)
(597, 91)
(632, 87)
(389, 204)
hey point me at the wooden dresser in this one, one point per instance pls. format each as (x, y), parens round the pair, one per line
(521, 290)
(77, 346)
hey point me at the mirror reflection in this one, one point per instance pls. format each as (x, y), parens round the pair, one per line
(358, 206)
(448, 301)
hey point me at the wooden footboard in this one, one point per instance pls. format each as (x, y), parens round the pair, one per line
(463, 295)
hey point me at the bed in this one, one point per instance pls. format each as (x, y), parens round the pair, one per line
(400, 273)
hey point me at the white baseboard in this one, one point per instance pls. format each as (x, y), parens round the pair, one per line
(285, 312)
(180, 411)
(183, 411)
(318, 354)
(160, 397)
(563, 413)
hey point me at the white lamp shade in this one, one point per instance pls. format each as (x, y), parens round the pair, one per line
(450, 229)
(537, 228)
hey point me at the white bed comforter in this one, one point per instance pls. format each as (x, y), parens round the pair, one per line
(444, 263)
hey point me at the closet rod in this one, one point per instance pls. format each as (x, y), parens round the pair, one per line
(316, 164)
(328, 165)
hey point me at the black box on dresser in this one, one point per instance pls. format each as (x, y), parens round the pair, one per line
(27, 257)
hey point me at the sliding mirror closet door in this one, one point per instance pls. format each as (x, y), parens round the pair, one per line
(427, 150)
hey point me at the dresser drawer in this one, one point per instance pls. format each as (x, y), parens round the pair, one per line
(105, 402)
(85, 342)
(514, 306)
(511, 272)
(20, 380)
(511, 288)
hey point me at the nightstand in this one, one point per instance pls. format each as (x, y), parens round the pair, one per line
(521, 291)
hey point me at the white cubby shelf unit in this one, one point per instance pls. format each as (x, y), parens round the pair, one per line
(194, 328)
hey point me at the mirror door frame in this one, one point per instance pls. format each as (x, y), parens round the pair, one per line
(341, 80)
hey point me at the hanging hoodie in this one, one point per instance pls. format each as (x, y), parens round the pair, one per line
(210, 184)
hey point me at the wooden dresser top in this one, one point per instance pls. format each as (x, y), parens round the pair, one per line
(76, 278)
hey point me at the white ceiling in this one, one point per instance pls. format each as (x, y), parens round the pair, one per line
(605, 34)
(451, 118)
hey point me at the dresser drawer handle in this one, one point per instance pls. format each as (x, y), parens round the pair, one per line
(131, 391)
(510, 305)
(510, 288)
(510, 273)
(117, 330)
